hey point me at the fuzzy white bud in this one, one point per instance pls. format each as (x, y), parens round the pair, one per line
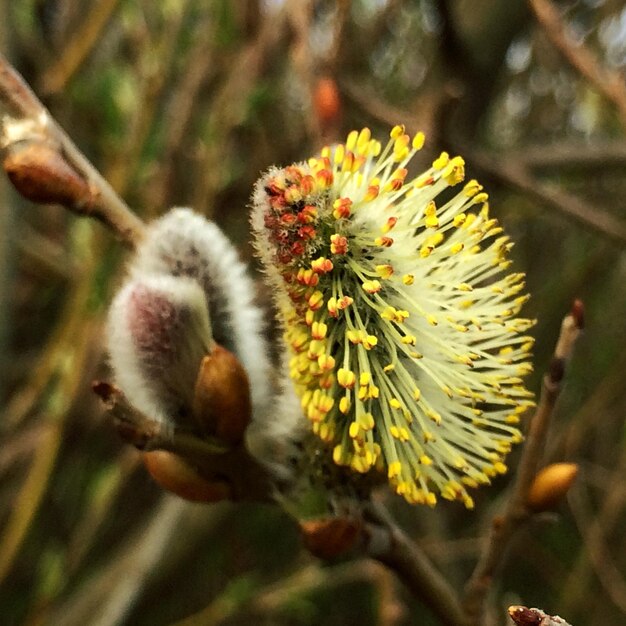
(183, 243)
(187, 288)
(158, 333)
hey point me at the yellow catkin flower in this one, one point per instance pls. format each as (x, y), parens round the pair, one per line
(395, 366)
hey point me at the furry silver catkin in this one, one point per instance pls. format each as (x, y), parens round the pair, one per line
(186, 288)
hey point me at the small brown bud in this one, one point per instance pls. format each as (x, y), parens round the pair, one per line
(40, 173)
(173, 473)
(524, 616)
(326, 101)
(221, 402)
(331, 537)
(578, 313)
(497, 522)
(550, 486)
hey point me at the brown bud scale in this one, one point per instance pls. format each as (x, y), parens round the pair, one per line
(40, 173)
(174, 474)
(331, 537)
(551, 485)
(221, 403)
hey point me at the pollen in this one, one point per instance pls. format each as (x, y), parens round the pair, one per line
(395, 366)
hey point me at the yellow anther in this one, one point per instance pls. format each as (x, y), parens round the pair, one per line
(500, 467)
(354, 336)
(384, 271)
(459, 219)
(326, 362)
(364, 141)
(389, 313)
(318, 330)
(418, 141)
(366, 421)
(339, 155)
(394, 469)
(352, 139)
(316, 301)
(472, 188)
(440, 162)
(346, 378)
(389, 224)
(372, 286)
(370, 341)
(454, 172)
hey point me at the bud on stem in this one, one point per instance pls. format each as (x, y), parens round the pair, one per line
(331, 537)
(551, 485)
(221, 402)
(39, 172)
(175, 474)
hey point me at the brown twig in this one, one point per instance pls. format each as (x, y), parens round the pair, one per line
(572, 155)
(516, 512)
(228, 107)
(514, 175)
(505, 170)
(33, 489)
(271, 598)
(390, 545)
(300, 15)
(610, 84)
(247, 479)
(114, 588)
(181, 106)
(595, 533)
(79, 45)
(47, 166)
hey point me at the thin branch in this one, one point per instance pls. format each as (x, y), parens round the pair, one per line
(43, 159)
(109, 595)
(516, 512)
(572, 155)
(248, 480)
(79, 45)
(504, 169)
(596, 552)
(610, 84)
(182, 104)
(514, 175)
(300, 15)
(28, 500)
(390, 545)
(268, 600)
(230, 101)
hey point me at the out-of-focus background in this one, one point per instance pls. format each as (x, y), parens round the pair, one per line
(185, 102)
